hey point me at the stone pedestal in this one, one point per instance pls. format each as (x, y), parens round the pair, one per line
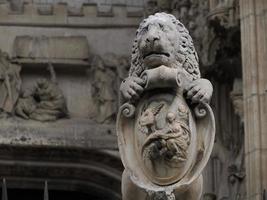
(254, 51)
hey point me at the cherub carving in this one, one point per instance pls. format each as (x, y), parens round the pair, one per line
(170, 142)
(147, 120)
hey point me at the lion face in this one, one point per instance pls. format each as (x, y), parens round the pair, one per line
(158, 43)
(161, 39)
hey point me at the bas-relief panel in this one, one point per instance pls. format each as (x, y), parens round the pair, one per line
(74, 85)
(106, 75)
(109, 38)
(49, 96)
(43, 101)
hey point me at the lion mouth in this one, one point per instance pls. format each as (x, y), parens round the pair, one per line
(154, 53)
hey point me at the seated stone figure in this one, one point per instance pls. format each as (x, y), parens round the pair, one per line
(44, 101)
(165, 126)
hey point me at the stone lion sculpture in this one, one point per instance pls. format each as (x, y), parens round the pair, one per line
(165, 126)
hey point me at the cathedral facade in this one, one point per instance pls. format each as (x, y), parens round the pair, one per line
(61, 65)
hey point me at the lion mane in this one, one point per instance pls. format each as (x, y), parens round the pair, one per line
(186, 53)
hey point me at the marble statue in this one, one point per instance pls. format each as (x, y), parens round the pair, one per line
(165, 125)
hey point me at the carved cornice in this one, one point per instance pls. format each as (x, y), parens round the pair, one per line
(36, 50)
(62, 15)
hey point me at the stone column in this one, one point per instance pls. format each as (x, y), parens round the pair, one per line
(254, 57)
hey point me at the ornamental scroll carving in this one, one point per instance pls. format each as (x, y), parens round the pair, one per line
(165, 125)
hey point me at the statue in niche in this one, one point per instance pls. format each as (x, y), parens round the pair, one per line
(120, 64)
(44, 102)
(165, 127)
(123, 67)
(10, 83)
(104, 90)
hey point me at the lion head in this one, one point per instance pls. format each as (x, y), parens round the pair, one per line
(161, 39)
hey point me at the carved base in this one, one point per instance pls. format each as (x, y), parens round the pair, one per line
(132, 192)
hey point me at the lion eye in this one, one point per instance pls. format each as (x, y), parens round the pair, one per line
(162, 27)
(144, 30)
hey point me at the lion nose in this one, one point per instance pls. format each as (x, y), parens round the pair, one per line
(151, 38)
(152, 35)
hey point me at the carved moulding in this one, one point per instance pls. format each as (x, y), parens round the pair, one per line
(165, 143)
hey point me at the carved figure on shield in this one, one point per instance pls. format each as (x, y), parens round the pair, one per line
(165, 126)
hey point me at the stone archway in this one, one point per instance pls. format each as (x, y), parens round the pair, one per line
(68, 172)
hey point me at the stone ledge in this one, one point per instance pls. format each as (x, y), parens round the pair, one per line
(60, 15)
(64, 169)
(69, 22)
(76, 153)
(66, 133)
(42, 62)
(63, 9)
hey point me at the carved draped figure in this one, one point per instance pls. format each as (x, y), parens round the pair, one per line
(10, 83)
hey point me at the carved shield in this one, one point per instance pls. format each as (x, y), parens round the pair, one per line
(162, 141)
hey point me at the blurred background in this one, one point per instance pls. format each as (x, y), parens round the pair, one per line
(61, 64)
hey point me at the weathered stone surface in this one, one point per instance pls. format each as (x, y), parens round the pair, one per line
(44, 102)
(215, 28)
(91, 171)
(69, 14)
(43, 47)
(73, 153)
(10, 83)
(78, 133)
(253, 37)
(237, 98)
(104, 90)
(165, 140)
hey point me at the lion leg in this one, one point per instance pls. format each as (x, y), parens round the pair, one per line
(130, 191)
(194, 191)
